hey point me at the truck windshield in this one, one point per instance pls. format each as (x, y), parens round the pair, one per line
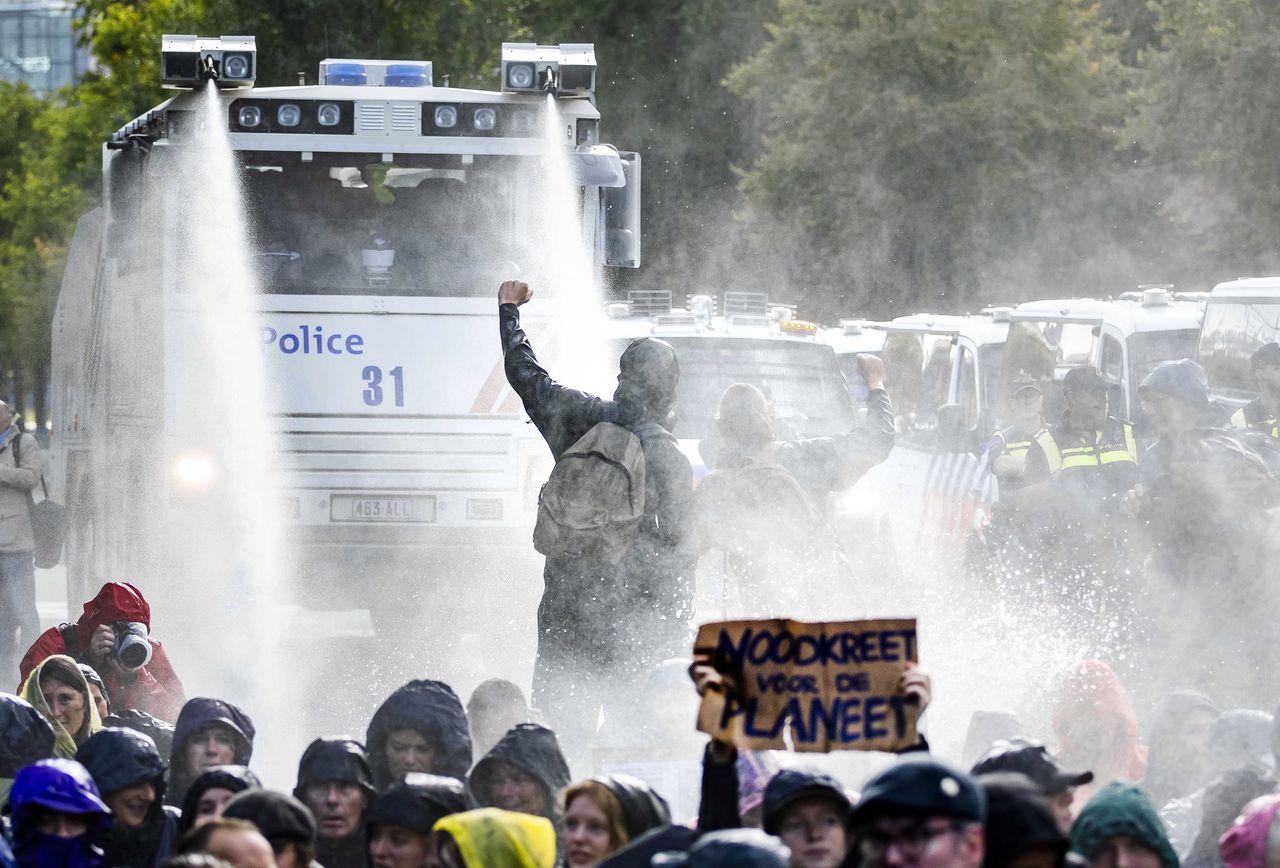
(1232, 331)
(379, 230)
(803, 381)
(1151, 348)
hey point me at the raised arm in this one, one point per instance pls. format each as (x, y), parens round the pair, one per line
(561, 414)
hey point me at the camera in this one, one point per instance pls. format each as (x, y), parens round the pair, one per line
(132, 650)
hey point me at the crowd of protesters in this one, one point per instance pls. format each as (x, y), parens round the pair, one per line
(435, 783)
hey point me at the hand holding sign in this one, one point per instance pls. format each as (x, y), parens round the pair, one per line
(767, 685)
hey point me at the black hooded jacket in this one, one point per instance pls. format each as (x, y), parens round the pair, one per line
(120, 758)
(196, 714)
(237, 779)
(435, 712)
(653, 583)
(642, 808)
(337, 759)
(25, 735)
(531, 748)
(417, 806)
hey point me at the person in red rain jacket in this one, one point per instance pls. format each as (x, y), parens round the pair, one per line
(153, 688)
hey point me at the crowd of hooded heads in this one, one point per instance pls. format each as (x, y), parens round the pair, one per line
(87, 782)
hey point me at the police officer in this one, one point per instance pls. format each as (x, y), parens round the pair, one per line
(1261, 413)
(1202, 499)
(1007, 450)
(1083, 465)
(1012, 540)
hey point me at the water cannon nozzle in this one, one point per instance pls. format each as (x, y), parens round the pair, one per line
(208, 68)
(547, 80)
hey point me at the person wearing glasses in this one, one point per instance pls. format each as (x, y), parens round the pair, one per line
(922, 813)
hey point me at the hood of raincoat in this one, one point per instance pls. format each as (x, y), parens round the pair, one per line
(639, 853)
(281, 818)
(1167, 774)
(1120, 809)
(490, 836)
(986, 727)
(57, 785)
(237, 779)
(202, 711)
(529, 747)
(418, 804)
(159, 731)
(115, 601)
(119, 758)
(434, 711)
(1245, 844)
(648, 373)
(334, 759)
(64, 742)
(1092, 691)
(1222, 803)
(25, 735)
(791, 785)
(737, 848)
(642, 808)
(1241, 736)
(1019, 818)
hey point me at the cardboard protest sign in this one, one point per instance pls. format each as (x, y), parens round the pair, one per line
(810, 686)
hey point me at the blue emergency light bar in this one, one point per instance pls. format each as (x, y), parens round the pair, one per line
(375, 73)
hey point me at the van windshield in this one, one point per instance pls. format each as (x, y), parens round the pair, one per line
(1232, 331)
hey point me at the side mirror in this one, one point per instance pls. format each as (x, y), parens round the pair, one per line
(622, 216)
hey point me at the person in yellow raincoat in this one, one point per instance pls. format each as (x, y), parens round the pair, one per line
(490, 836)
(58, 690)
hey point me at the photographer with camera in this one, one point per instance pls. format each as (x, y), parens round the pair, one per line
(113, 636)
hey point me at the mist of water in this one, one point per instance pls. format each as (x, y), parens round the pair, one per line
(226, 538)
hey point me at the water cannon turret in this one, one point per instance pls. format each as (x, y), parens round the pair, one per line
(188, 61)
(567, 69)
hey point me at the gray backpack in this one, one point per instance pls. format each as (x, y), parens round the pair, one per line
(593, 503)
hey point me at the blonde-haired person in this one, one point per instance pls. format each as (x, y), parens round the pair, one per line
(58, 690)
(603, 814)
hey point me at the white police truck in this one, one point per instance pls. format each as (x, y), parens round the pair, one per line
(383, 211)
(1240, 316)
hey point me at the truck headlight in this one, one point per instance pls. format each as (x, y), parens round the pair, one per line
(485, 118)
(249, 116)
(520, 76)
(328, 114)
(194, 470)
(446, 117)
(289, 115)
(236, 66)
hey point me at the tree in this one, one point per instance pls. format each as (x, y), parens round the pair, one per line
(941, 152)
(1206, 128)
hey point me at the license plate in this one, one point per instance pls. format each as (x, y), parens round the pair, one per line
(373, 507)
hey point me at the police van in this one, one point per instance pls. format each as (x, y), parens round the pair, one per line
(849, 339)
(1240, 316)
(942, 373)
(384, 210)
(1124, 338)
(740, 338)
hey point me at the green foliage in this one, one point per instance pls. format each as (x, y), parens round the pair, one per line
(911, 144)
(1207, 123)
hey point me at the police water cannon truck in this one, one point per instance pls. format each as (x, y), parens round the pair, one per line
(383, 211)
